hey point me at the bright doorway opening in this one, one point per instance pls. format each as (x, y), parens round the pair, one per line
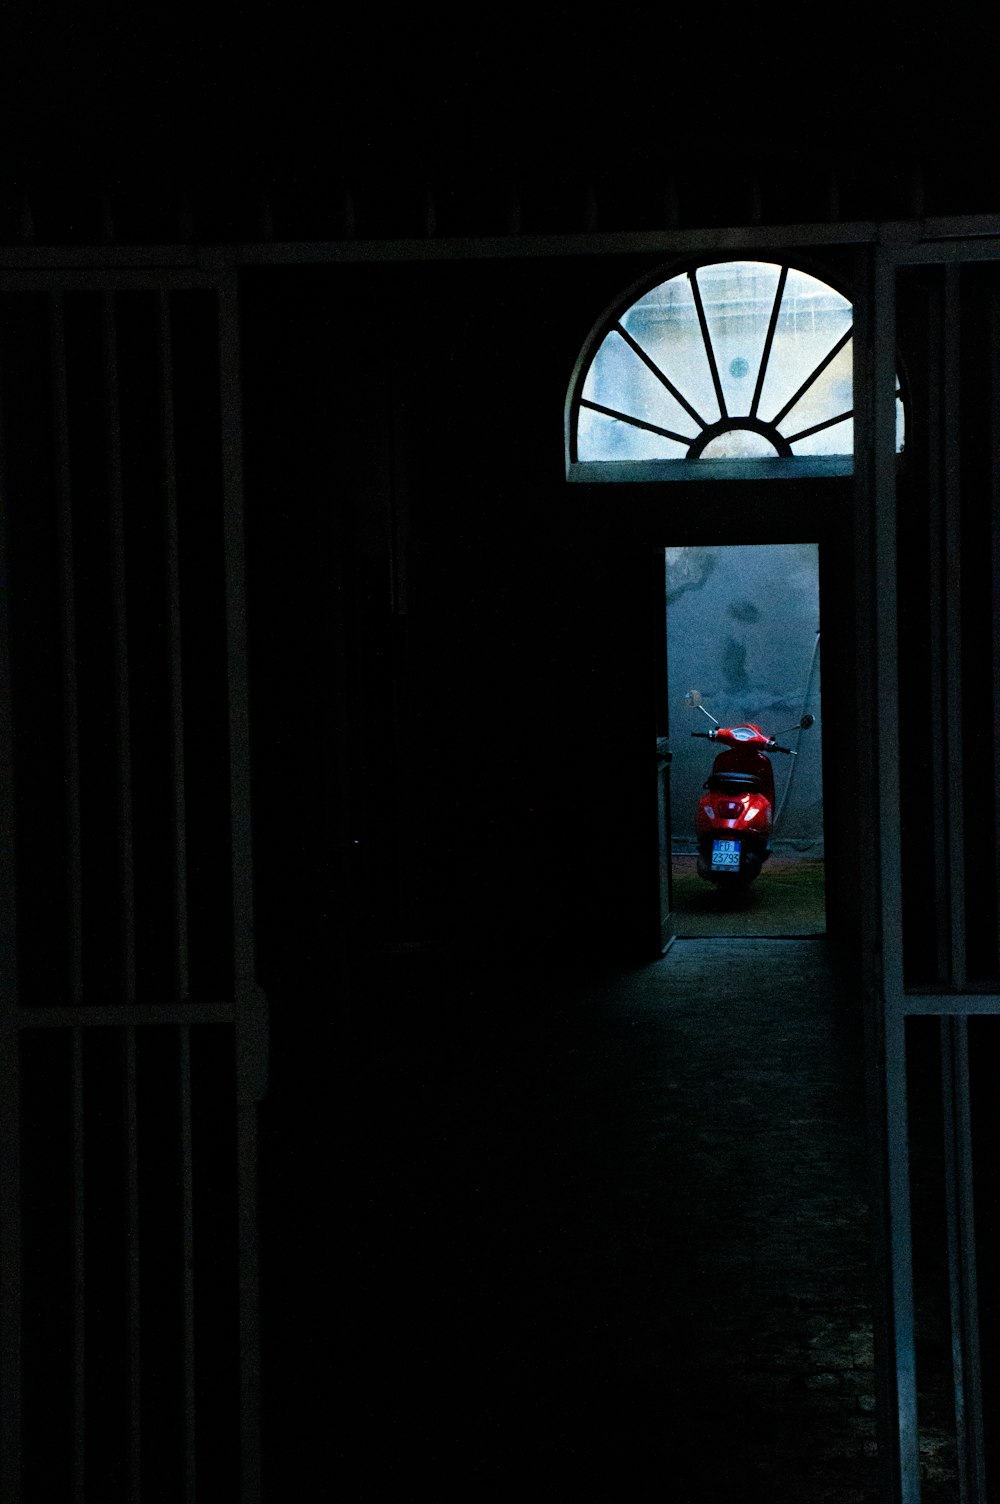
(743, 648)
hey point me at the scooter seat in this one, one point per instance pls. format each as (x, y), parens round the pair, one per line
(732, 783)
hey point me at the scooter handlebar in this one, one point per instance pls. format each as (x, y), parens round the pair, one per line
(709, 736)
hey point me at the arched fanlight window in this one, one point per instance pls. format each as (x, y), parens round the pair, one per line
(732, 360)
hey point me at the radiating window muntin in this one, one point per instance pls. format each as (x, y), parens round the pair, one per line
(729, 360)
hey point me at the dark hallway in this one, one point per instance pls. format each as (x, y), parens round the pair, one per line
(351, 1143)
(616, 1232)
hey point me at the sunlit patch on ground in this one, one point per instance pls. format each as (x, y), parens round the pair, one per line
(787, 899)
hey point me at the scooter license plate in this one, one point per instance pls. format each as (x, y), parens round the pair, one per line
(725, 856)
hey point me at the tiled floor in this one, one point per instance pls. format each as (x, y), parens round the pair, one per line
(612, 1236)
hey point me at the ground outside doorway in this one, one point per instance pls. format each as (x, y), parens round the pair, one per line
(786, 900)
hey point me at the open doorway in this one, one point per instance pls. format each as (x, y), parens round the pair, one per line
(743, 634)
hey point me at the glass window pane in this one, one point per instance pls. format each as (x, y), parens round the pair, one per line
(831, 394)
(738, 297)
(739, 444)
(836, 440)
(602, 438)
(738, 300)
(665, 323)
(619, 379)
(811, 320)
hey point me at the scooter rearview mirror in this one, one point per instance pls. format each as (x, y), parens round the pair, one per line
(692, 699)
(802, 725)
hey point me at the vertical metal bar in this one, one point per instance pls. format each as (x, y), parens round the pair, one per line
(880, 868)
(67, 606)
(890, 903)
(10, 1258)
(340, 766)
(900, 1264)
(995, 537)
(962, 1279)
(187, 1284)
(236, 642)
(954, 786)
(174, 669)
(251, 1005)
(937, 712)
(74, 862)
(10, 1107)
(404, 914)
(116, 513)
(79, 1278)
(133, 1270)
(251, 1017)
(885, 645)
(250, 1378)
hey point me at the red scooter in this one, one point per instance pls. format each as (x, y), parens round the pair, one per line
(736, 813)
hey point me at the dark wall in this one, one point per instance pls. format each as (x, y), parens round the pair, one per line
(454, 648)
(464, 631)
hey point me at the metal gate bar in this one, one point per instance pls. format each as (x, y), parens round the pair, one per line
(79, 1276)
(10, 1253)
(74, 861)
(995, 538)
(137, 1170)
(962, 1277)
(937, 705)
(174, 658)
(187, 1254)
(951, 695)
(877, 356)
(251, 1014)
(134, 1271)
(10, 1083)
(119, 607)
(67, 602)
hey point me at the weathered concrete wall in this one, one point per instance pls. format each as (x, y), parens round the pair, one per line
(742, 637)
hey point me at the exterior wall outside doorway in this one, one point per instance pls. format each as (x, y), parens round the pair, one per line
(743, 641)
